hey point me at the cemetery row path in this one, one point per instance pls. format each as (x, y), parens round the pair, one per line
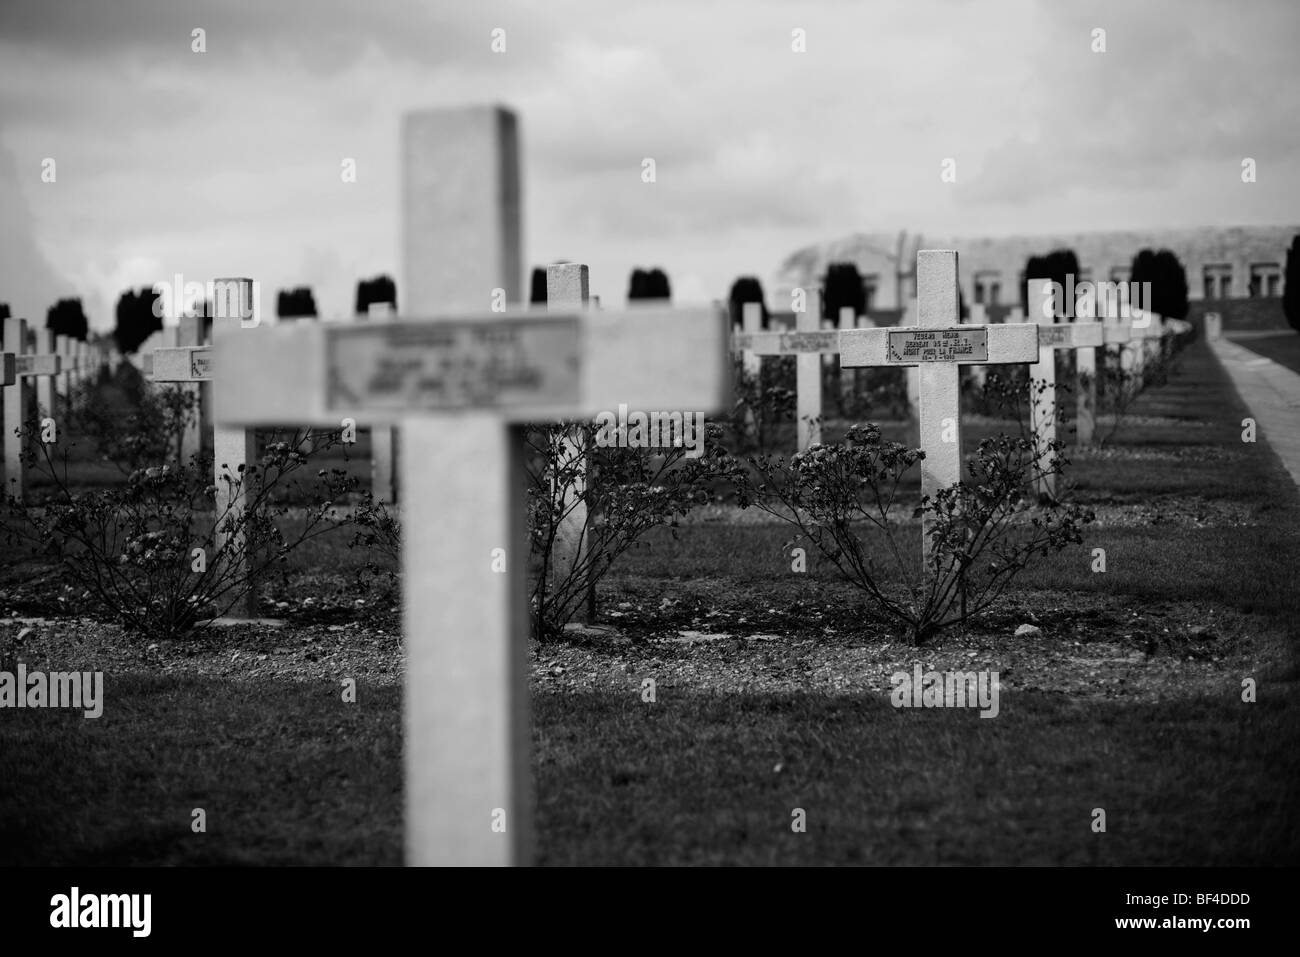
(1272, 393)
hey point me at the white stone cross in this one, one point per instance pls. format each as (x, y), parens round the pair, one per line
(809, 344)
(936, 346)
(457, 386)
(233, 449)
(28, 367)
(1052, 337)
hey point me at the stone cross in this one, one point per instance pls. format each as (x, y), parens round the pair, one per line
(1053, 336)
(808, 375)
(29, 367)
(458, 379)
(234, 450)
(804, 344)
(936, 347)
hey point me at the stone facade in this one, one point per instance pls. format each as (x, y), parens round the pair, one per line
(1222, 263)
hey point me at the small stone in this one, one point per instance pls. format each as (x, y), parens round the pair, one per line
(1029, 631)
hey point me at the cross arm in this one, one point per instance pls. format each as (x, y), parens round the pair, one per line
(963, 345)
(525, 365)
(1071, 335)
(786, 343)
(181, 364)
(37, 365)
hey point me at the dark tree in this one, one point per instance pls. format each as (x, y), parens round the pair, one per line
(537, 295)
(1035, 268)
(65, 318)
(1061, 266)
(136, 319)
(1143, 270)
(296, 303)
(1169, 295)
(1291, 293)
(649, 285)
(743, 290)
(379, 289)
(842, 286)
(4, 310)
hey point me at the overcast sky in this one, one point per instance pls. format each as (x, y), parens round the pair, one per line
(227, 162)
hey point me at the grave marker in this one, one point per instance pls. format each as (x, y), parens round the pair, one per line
(936, 347)
(810, 344)
(234, 450)
(808, 375)
(1052, 336)
(29, 368)
(458, 386)
(1213, 325)
(15, 408)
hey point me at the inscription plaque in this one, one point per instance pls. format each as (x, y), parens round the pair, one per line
(938, 345)
(456, 364)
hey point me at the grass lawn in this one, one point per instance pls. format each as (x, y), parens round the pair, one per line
(771, 695)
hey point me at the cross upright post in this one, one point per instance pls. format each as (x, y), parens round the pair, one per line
(808, 375)
(568, 286)
(15, 408)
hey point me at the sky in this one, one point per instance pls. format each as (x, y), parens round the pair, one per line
(227, 162)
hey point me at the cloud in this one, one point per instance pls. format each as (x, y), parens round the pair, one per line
(27, 281)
